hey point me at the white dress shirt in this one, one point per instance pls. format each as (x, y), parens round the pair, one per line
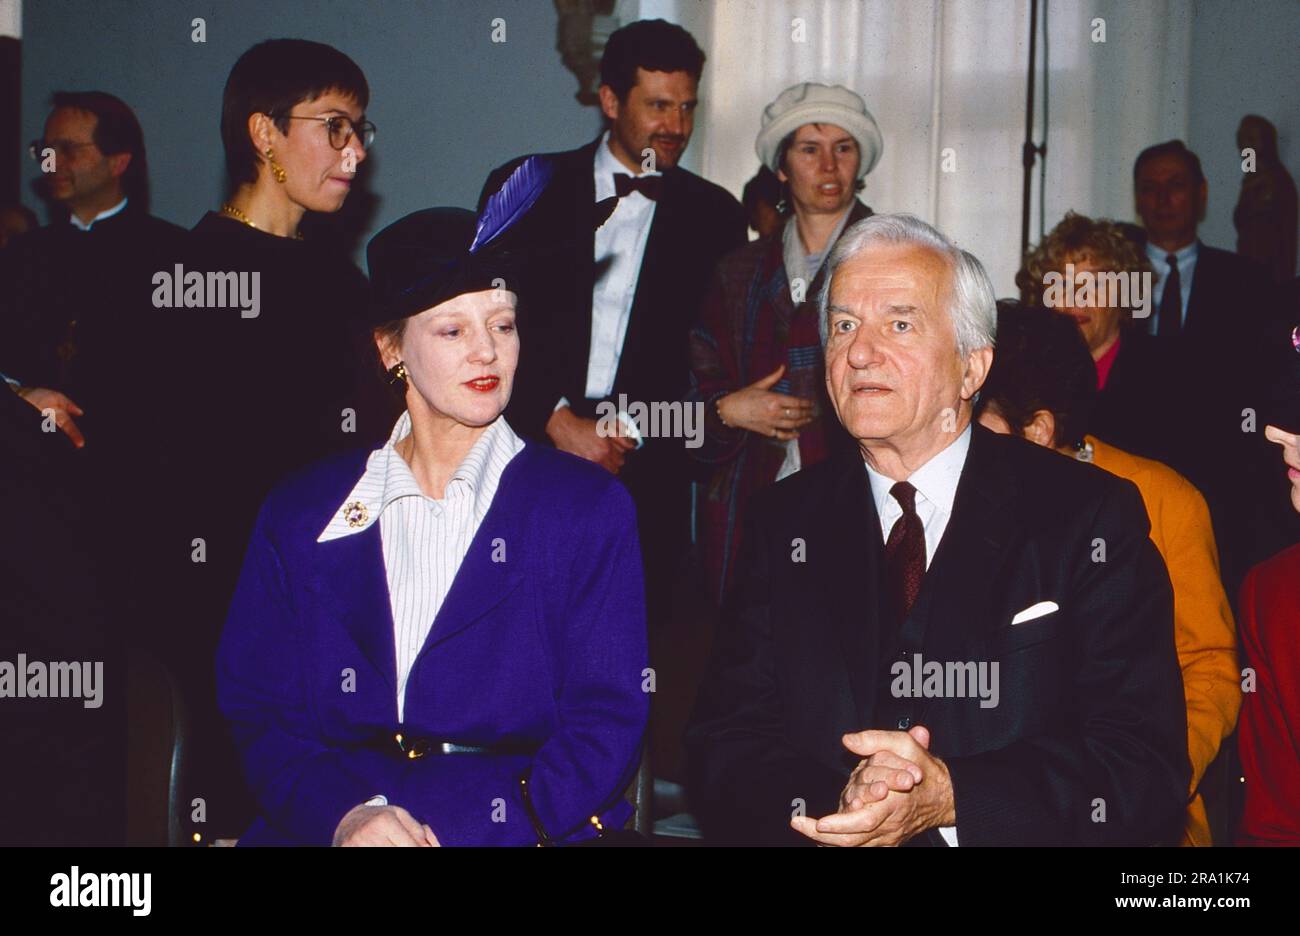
(1186, 270)
(936, 488)
(424, 540)
(106, 213)
(620, 248)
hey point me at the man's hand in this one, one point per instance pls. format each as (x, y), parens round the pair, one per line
(382, 825)
(899, 815)
(571, 433)
(64, 409)
(875, 776)
(758, 409)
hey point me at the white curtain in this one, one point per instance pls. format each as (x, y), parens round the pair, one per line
(11, 18)
(946, 81)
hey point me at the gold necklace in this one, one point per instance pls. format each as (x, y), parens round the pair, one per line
(232, 211)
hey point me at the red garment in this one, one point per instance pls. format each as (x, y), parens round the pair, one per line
(1105, 361)
(1269, 732)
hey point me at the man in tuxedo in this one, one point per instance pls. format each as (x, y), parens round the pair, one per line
(615, 301)
(1211, 317)
(944, 636)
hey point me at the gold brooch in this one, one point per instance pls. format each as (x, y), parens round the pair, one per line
(356, 514)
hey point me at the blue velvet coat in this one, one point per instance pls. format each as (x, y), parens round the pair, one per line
(541, 640)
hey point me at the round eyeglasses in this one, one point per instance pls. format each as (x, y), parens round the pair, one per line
(341, 129)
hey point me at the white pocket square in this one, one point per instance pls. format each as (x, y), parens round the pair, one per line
(1035, 611)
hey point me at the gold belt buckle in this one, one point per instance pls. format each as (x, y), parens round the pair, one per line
(413, 750)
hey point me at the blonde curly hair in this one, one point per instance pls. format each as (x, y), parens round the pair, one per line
(1076, 238)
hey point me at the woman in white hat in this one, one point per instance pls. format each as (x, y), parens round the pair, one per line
(756, 356)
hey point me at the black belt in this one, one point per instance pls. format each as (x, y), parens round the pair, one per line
(407, 746)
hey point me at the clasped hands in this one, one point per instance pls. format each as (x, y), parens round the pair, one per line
(897, 791)
(382, 825)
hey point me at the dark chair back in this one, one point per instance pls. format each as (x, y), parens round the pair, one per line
(156, 745)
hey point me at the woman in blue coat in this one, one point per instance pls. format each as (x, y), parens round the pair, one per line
(441, 641)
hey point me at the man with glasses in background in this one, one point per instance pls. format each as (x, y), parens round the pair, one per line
(66, 282)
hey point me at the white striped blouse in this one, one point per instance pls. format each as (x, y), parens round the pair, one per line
(424, 540)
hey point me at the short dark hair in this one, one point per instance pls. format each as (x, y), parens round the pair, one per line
(271, 78)
(116, 131)
(763, 187)
(655, 45)
(1171, 148)
(1041, 363)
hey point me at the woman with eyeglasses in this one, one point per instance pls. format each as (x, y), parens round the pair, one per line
(267, 372)
(293, 124)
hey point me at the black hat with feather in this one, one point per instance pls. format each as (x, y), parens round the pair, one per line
(437, 254)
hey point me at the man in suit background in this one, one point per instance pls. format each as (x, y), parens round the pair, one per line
(615, 301)
(1199, 290)
(1211, 312)
(1028, 581)
(78, 289)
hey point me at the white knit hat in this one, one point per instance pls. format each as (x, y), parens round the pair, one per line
(818, 103)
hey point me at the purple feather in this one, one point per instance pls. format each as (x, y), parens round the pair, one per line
(516, 195)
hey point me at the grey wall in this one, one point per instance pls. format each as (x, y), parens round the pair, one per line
(450, 104)
(1245, 60)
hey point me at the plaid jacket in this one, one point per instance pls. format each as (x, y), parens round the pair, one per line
(748, 327)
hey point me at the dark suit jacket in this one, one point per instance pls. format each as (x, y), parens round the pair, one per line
(695, 224)
(1229, 294)
(1090, 696)
(66, 763)
(1215, 373)
(1137, 410)
(75, 298)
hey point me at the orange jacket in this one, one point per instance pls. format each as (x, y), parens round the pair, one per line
(1204, 631)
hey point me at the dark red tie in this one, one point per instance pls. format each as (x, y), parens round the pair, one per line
(651, 186)
(904, 554)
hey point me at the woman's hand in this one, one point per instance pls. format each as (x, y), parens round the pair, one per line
(758, 409)
(382, 825)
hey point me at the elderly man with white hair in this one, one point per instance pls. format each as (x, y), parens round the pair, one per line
(946, 636)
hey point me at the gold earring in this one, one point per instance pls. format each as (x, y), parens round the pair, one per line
(277, 170)
(397, 374)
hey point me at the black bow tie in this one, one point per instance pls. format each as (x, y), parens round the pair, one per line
(651, 186)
